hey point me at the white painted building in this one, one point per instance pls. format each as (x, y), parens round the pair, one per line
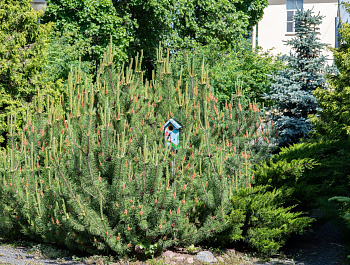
(277, 24)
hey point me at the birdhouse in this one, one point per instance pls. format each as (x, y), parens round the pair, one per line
(171, 134)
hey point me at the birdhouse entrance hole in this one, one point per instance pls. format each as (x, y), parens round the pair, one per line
(171, 134)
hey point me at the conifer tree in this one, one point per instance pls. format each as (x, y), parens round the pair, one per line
(292, 91)
(22, 44)
(333, 122)
(95, 173)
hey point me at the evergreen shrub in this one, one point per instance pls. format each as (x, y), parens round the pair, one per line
(22, 47)
(307, 171)
(266, 223)
(93, 172)
(333, 121)
(344, 209)
(292, 89)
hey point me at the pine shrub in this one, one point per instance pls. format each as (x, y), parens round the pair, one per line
(94, 173)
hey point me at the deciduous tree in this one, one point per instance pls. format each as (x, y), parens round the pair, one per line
(183, 24)
(92, 22)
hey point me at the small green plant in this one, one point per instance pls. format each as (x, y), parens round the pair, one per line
(76, 258)
(148, 248)
(216, 250)
(191, 249)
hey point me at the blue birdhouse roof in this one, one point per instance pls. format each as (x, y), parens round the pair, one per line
(172, 122)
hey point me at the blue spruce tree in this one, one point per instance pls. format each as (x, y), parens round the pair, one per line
(292, 89)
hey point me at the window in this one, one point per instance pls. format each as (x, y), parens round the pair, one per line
(292, 6)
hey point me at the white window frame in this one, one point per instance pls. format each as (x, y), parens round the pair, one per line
(292, 7)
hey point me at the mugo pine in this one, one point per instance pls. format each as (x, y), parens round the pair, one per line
(93, 172)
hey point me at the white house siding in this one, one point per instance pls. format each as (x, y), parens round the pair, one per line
(272, 29)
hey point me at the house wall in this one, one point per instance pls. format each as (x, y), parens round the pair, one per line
(272, 29)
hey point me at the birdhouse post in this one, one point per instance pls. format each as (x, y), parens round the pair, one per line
(172, 134)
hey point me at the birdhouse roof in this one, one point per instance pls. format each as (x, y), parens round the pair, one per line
(172, 122)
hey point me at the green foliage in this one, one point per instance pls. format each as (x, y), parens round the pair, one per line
(259, 219)
(61, 56)
(22, 44)
(148, 248)
(94, 173)
(147, 22)
(345, 209)
(138, 24)
(8, 227)
(183, 24)
(92, 23)
(266, 223)
(293, 86)
(191, 249)
(251, 68)
(254, 9)
(214, 22)
(239, 67)
(285, 175)
(333, 121)
(207, 22)
(308, 171)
